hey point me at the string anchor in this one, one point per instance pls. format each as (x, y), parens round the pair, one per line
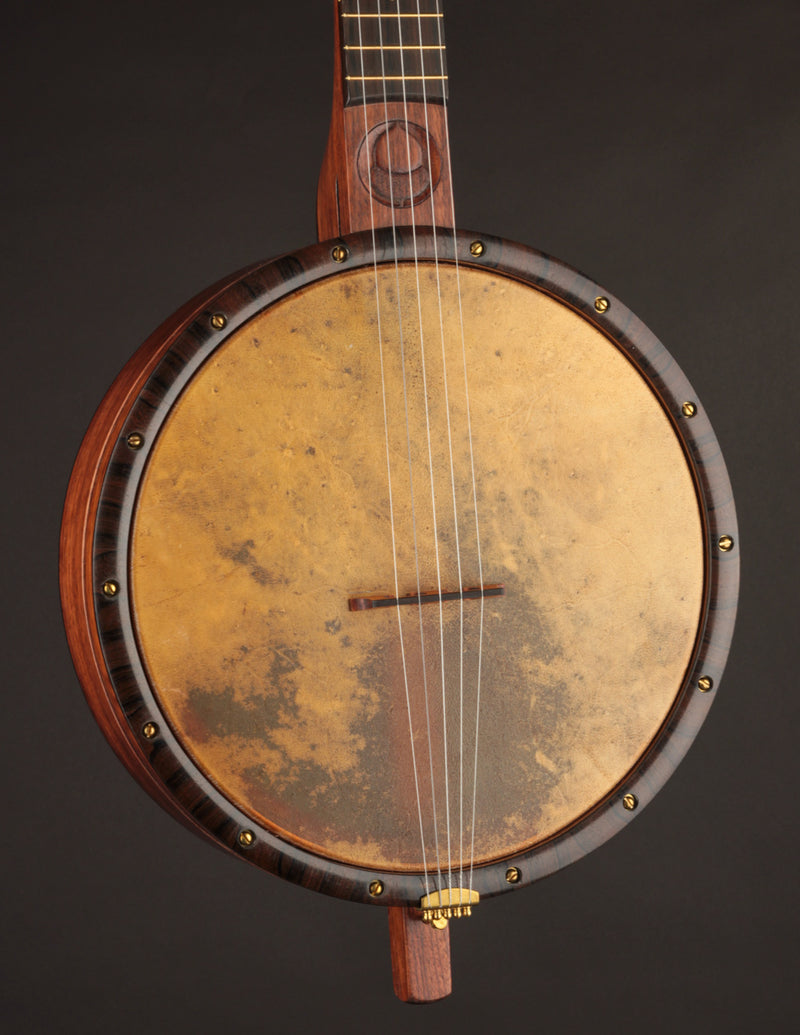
(448, 904)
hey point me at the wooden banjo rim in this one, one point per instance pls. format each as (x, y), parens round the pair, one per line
(100, 504)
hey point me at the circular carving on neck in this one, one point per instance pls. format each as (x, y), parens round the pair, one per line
(399, 163)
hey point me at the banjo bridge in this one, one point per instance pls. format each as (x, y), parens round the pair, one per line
(440, 906)
(471, 593)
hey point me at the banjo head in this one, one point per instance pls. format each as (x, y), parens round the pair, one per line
(319, 435)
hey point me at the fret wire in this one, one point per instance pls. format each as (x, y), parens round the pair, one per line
(392, 16)
(389, 78)
(404, 47)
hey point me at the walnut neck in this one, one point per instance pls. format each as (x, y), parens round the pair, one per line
(387, 161)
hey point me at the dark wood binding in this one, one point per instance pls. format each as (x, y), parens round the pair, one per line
(420, 957)
(355, 157)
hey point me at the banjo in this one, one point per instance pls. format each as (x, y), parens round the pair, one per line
(403, 566)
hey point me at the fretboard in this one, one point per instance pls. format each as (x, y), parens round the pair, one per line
(393, 50)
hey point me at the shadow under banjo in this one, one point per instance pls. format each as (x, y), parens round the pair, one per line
(400, 566)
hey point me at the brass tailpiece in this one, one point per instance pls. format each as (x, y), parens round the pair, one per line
(450, 903)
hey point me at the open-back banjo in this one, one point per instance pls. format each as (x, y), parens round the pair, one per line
(403, 565)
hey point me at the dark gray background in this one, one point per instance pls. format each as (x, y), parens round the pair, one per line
(151, 148)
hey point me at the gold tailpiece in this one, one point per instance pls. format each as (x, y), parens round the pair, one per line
(450, 903)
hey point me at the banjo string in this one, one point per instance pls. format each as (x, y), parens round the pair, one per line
(429, 443)
(446, 394)
(388, 454)
(473, 478)
(412, 499)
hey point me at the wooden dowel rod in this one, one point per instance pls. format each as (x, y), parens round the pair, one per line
(420, 957)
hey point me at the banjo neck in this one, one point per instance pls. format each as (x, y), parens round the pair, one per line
(387, 162)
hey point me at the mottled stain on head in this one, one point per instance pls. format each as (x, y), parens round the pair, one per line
(241, 553)
(224, 712)
(284, 661)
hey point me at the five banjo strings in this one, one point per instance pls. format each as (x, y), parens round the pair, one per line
(448, 867)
